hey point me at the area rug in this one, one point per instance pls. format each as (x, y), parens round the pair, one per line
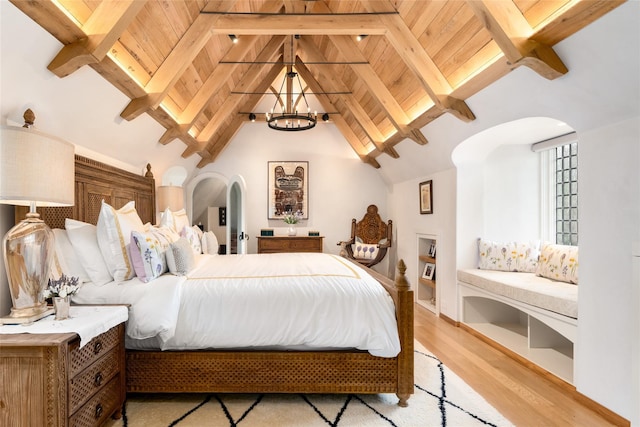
(441, 398)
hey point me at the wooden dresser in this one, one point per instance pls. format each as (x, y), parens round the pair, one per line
(274, 244)
(49, 380)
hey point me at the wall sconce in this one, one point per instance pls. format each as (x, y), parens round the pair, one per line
(36, 170)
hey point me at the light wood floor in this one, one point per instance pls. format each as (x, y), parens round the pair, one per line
(525, 397)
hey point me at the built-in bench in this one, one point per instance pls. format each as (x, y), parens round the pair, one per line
(534, 317)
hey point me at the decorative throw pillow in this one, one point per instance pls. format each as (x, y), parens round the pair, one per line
(147, 255)
(559, 262)
(180, 257)
(114, 237)
(194, 240)
(83, 238)
(508, 256)
(209, 243)
(364, 250)
(165, 235)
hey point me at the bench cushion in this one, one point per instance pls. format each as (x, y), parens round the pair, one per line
(559, 297)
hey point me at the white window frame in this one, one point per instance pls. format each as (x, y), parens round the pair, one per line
(547, 152)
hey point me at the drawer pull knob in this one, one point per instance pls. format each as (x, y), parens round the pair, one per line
(98, 379)
(98, 411)
(97, 348)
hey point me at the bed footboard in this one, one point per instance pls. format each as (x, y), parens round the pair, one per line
(284, 371)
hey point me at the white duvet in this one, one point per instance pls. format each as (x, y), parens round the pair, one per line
(292, 300)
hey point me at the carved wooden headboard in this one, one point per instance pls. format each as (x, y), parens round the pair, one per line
(96, 181)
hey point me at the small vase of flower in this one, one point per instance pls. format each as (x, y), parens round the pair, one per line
(60, 292)
(291, 218)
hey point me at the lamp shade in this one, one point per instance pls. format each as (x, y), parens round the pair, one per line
(35, 168)
(170, 196)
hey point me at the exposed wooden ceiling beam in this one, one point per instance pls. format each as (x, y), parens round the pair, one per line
(511, 32)
(339, 121)
(102, 29)
(231, 103)
(172, 67)
(210, 87)
(229, 132)
(313, 54)
(417, 59)
(304, 24)
(218, 78)
(377, 88)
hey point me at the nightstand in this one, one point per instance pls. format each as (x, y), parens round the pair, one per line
(276, 244)
(58, 377)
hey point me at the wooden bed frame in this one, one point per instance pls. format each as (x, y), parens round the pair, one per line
(241, 371)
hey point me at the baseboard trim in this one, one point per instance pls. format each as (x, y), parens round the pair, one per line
(449, 320)
(604, 412)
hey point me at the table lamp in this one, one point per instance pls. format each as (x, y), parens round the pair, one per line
(170, 196)
(36, 169)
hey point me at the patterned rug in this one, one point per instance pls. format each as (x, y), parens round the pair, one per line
(441, 398)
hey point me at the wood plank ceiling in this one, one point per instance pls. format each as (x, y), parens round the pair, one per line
(420, 58)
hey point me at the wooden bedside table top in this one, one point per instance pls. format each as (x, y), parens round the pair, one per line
(85, 321)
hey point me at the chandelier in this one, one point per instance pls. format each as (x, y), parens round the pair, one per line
(289, 119)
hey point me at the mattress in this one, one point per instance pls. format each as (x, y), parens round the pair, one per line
(559, 297)
(296, 301)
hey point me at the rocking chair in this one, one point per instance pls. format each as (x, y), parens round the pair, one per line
(370, 239)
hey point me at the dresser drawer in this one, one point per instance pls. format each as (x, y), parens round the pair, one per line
(88, 382)
(93, 350)
(99, 407)
(305, 245)
(275, 244)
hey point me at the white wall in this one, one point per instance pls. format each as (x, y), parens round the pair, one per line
(340, 185)
(609, 224)
(512, 194)
(404, 208)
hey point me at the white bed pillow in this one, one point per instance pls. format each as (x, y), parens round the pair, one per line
(210, 243)
(114, 238)
(194, 239)
(175, 220)
(83, 238)
(67, 258)
(180, 257)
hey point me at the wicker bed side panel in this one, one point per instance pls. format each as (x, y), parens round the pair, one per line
(263, 372)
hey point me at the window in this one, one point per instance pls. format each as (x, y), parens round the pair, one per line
(566, 193)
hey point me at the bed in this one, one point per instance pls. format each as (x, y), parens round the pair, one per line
(164, 365)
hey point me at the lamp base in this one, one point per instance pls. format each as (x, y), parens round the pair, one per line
(25, 320)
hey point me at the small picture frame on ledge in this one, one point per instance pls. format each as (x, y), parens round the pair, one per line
(426, 197)
(429, 271)
(432, 250)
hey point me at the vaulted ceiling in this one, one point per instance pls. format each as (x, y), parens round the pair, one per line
(418, 59)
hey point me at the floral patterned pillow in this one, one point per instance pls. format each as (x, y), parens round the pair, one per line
(559, 262)
(364, 250)
(509, 256)
(147, 256)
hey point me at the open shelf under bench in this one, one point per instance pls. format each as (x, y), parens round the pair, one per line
(519, 329)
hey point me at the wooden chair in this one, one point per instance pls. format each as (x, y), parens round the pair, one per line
(370, 239)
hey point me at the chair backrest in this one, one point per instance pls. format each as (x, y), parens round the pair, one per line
(371, 229)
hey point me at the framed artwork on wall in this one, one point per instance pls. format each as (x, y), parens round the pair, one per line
(288, 187)
(426, 197)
